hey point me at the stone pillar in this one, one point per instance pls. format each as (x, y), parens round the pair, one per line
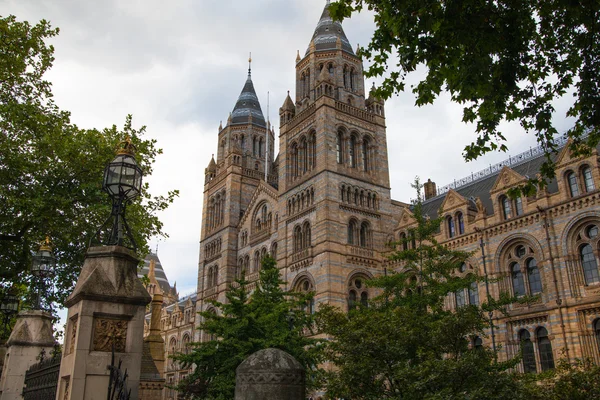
(270, 374)
(106, 309)
(31, 335)
(154, 339)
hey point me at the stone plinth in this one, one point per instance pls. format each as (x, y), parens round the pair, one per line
(106, 309)
(31, 335)
(270, 374)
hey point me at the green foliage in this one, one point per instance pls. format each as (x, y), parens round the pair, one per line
(247, 322)
(501, 60)
(577, 381)
(51, 171)
(405, 344)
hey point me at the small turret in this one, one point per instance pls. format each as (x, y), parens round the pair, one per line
(211, 171)
(374, 103)
(287, 110)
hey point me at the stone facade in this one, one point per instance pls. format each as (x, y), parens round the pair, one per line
(324, 211)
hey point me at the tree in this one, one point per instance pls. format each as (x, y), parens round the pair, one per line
(247, 322)
(406, 344)
(51, 170)
(502, 60)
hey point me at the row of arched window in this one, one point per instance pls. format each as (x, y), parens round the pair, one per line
(263, 218)
(212, 249)
(510, 207)
(580, 182)
(216, 210)
(244, 262)
(544, 350)
(358, 196)
(301, 237)
(301, 200)
(354, 151)
(360, 233)
(243, 238)
(303, 155)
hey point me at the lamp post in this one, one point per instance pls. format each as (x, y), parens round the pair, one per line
(42, 267)
(123, 183)
(9, 306)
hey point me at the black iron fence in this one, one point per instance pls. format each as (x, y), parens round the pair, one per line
(41, 379)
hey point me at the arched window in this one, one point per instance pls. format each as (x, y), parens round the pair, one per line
(274, 250)
(545, 349)
(596, 327)
(517, 279)
(588, 179)
(533, 275)
(294, 160)
(528, 352)
(302, 156)
(330, 68)
(306, 233)
(357, 291)
(451, 228)
(589, 264)
(506, 209)
(365, 154)
(305, 286)
(461, 223)
(185, 344)
(353, 151)
(573, 185)
(297, 238)
(260, 147)
(345, 74)
(461, 301)
(477, 343)
(339, 148)
(365, 233)
(240, 269)
(256, 261)
(518, 206)
(352, 232)
(313, 150)
(403, 241)
(474, 294)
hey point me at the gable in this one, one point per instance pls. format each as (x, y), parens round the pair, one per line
(453, 200)
(507, 178)
(262, 192)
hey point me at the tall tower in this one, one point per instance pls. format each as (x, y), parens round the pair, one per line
(230, 182)
(333, 173)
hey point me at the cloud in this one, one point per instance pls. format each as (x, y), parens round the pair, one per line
(179, 67)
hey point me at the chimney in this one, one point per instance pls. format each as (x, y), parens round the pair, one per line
(430, 189)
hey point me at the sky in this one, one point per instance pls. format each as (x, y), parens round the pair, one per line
(178, 66)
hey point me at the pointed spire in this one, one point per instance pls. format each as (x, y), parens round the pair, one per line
(298, 56)
(247, 108)
(220, 126)
(327, 34)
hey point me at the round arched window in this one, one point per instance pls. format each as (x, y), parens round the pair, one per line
(357, 291)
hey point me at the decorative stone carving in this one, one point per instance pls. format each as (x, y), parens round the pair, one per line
(73, 334)
(108, 331)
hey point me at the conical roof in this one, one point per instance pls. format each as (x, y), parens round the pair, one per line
(328, 32)
(288, 104)
(159, 272)
(247, 105)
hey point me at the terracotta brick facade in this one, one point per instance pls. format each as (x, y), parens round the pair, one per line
(325, 212)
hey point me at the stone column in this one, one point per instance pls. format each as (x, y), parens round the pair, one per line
(154, 339)
(31, 335)
(270, 374)
(106, 309)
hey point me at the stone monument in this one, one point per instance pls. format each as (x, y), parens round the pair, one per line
(106, 312)
(31, 335)
(270, 374)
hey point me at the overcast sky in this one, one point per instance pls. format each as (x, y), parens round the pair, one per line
(178, 66)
